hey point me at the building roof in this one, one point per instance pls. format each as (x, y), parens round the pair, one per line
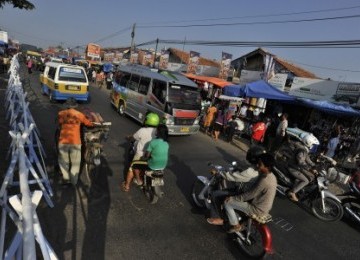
(296, 70)
(184, 57)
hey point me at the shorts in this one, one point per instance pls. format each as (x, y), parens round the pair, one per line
(140, 165)
(218, 127)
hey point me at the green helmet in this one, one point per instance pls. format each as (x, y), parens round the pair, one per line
(152, 119)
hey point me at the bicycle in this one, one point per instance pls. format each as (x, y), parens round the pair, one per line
(93, 137)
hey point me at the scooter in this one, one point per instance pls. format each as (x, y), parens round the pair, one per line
(351, 202)
(323, 203)
(255, 240)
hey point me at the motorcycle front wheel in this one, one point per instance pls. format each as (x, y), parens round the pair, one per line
(333, 210)
(196, 189)
(253, 246)
(354, 205)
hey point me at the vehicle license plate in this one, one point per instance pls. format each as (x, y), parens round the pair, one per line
(157, 182)
(184, 129)
(73, 87)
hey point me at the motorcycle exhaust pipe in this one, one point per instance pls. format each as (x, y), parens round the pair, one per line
(352, 213)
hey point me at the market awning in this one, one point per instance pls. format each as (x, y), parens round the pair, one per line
(331, 108)
(213, 80)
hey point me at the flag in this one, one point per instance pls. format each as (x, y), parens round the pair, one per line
(225, 65)
(193, 62)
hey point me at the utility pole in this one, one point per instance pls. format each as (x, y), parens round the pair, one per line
(132, 38)
(156, 47)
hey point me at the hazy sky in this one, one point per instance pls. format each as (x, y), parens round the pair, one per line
(73, 23)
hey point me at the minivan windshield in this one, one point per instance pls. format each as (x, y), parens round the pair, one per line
(183, 94)
(72, 74)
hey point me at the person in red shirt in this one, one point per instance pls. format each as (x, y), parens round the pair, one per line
(258, 131)
(69, 143)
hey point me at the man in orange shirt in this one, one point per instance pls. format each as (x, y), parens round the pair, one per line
(69, 158)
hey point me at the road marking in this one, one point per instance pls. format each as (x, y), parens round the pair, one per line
(283, 224)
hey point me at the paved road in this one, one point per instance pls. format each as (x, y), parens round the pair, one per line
(110, 224)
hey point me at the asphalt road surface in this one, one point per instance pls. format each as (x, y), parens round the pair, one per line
(103, 222)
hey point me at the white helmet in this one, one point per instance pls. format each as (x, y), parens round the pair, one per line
(309, 140)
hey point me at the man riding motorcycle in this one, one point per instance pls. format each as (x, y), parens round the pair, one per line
(248, 177)
(142, 137)
(301, 165)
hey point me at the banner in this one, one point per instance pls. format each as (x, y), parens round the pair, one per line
(193, 62)
(118, 57)
(248, 76)
(147, 58)
(333, 91)
(134, 57)
(225, 65)
(269, 65)
(109, 56)
(93, 50)
(164, 59)
(278, 81)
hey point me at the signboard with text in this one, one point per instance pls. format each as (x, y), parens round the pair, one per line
(333, 91)
(93, 50)
(278, 81)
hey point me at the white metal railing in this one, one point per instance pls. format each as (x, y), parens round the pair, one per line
(26, 156)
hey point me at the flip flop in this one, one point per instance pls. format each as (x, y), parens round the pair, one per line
(124, 188)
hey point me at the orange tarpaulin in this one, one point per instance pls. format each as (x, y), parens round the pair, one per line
(215, 81)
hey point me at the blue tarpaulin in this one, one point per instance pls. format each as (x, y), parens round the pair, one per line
(257, 89)
(233, 91)
(107, 67)
(262, 89)
(331, 108)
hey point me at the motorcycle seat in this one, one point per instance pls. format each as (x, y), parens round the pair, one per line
(155, 173)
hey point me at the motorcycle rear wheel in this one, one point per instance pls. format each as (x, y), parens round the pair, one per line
(333, 210)
(196, 189)
(253, 247)
(151, 194)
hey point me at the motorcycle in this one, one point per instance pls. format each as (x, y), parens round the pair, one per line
(255, 240)
(323, 203)
(351, 202)
(153, 181)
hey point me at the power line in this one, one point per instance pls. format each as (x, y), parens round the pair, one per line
(260, 16)
(321, 67)
(253, 23)
(309, 44)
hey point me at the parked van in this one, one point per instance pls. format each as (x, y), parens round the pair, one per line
(61, 81)
(138, 90)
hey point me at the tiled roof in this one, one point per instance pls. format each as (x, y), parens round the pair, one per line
(296, 70)
(184, 57)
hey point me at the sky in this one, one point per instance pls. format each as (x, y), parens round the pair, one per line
(72, 23)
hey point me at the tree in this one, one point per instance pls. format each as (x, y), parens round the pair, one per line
(21, 4)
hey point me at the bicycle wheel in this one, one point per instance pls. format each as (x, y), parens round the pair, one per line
(253, 246)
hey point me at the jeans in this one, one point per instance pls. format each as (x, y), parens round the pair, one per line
(302, 180)
(217, 197)
(69, 161)
(233, 204)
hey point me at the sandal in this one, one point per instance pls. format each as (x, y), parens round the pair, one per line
(215, 221)
(124, 188)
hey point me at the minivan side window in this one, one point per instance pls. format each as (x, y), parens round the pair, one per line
(144, 85)
(133, 83)
(159, 90)
(52, 72)
(124, 79)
